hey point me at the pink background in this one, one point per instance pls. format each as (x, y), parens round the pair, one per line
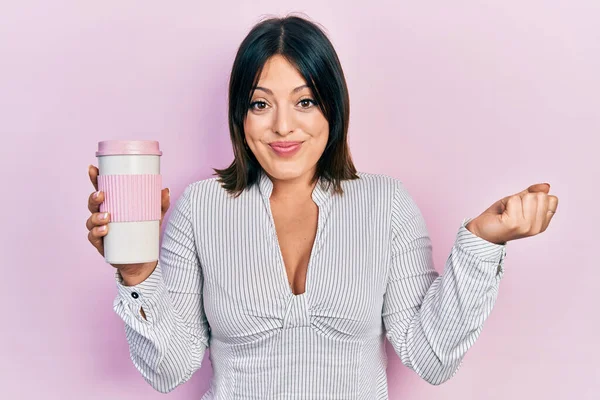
(464, 102)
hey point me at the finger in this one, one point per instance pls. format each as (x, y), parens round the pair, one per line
(97, 219)
(552, 205)
(514, 211)
(94, 202)
(96, 238)
(540, 214)
(93, 172)
(529, 210)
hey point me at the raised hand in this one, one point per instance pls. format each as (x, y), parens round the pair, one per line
(520, 215)
(98, 226)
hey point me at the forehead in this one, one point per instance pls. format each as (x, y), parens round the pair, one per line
(278, 73)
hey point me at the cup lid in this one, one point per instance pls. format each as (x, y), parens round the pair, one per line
(139, 147)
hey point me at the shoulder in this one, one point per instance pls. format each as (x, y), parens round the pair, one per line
(203, 185)
(379, 179)
(385, 189)
(205, 190)
(373, 185)
(200, 190)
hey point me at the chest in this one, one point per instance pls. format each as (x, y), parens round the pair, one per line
(264, 267)
(296, 228)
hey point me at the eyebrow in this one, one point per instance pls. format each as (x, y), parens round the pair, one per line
(269, 91)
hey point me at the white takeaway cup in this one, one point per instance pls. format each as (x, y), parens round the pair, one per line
(129, 175)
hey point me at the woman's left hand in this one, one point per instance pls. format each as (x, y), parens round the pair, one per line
(524, 214)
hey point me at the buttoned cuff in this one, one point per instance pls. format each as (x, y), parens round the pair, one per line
(143, 295)
(480, 248)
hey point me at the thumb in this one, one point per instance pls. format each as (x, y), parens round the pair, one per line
(538, 187)
(165, 200)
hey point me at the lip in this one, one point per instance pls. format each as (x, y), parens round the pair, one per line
(285, 148)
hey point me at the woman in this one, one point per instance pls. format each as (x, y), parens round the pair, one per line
(293, 267)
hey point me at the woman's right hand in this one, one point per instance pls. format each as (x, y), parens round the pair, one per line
(98, 227)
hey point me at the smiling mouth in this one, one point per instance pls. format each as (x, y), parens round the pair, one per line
(285, 148)
(283, 143)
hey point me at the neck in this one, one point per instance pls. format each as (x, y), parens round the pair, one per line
(293, 190)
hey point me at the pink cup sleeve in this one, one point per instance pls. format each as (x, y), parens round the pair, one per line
(132, 197)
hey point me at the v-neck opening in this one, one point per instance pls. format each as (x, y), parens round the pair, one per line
(313, 250)
(320, 195)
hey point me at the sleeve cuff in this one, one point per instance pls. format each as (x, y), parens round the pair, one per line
(479, 247)
(141, 294)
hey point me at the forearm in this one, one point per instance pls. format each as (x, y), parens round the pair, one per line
(454, 308)
(164, 350)
(451, 317)
(162, 346)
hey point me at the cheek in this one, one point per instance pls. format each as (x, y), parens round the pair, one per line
(249, 126)
(319, 140)
(316, 125)
(254, 125)
(323, 132)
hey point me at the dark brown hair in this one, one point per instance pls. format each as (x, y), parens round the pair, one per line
(304, 45)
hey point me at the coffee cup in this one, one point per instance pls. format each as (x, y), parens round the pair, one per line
(129, 175)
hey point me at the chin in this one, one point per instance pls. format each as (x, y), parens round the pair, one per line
(285, 171)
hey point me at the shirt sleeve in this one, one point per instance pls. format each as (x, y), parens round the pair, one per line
(432, 320)
(168, 346)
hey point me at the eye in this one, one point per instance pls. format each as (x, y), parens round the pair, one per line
(258, 102)
(304, 101)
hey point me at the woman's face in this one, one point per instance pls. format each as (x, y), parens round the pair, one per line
(284, 128)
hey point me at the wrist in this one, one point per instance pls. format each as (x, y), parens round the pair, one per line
(134, 274)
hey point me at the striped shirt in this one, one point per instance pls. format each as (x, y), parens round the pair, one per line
(221, 284)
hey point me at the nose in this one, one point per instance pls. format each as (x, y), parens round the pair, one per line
(284, 121)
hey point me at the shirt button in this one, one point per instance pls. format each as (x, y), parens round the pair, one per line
(135, 295)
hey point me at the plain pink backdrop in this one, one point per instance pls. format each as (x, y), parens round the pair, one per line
(465, 102)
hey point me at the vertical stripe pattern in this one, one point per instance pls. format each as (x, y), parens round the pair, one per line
(131, 197)
(221, 284)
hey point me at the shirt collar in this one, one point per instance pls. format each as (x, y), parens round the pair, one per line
(320, 194)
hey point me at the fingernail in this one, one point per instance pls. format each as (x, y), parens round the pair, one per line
(104, 215)
(102, 228)
(169, 192)
(96, 194)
